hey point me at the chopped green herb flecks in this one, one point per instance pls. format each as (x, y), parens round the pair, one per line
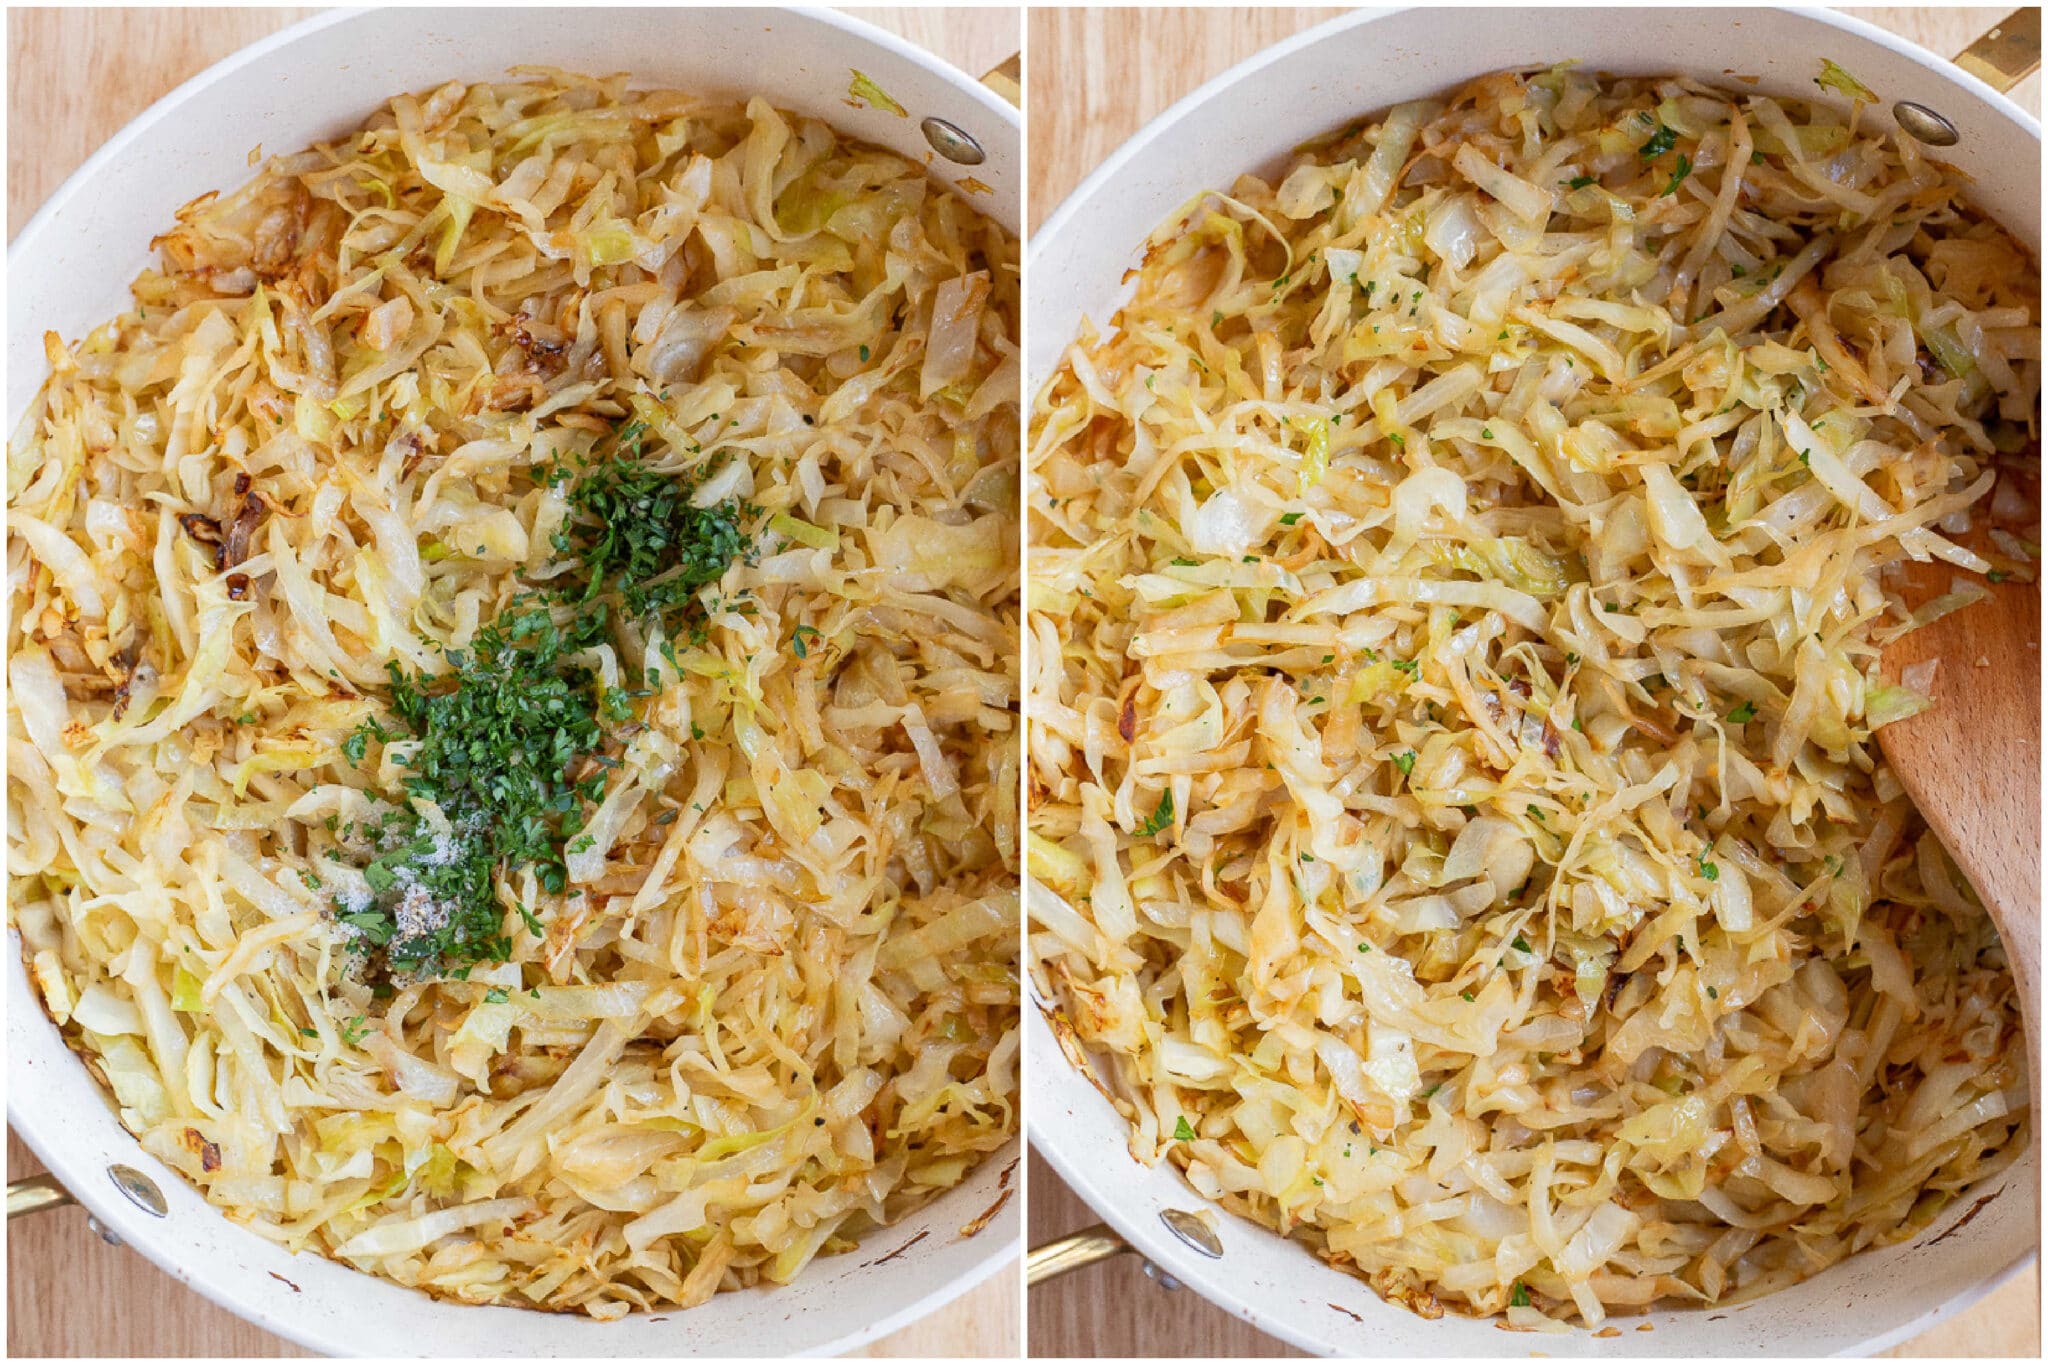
(505, 744)
(1161, 817)
(634, 533)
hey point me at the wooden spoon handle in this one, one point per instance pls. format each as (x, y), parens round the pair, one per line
(1972, 761)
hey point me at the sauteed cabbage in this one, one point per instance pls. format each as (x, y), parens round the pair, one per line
(1457, 583)
(511, 763)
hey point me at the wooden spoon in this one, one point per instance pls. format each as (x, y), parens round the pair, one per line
(1972, 761)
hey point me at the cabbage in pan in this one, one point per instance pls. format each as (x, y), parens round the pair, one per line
(512, 768)
(1456, 590)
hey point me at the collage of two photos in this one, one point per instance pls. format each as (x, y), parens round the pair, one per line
(1023, 682)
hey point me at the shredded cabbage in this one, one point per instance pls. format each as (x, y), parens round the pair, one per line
(1460, 841)
(770, 1002)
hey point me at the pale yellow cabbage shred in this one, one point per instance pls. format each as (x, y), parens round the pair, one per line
(777, 1008)
(1456, 836)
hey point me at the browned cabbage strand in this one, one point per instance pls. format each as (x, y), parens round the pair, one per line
(776, 1005)
(1456, 587)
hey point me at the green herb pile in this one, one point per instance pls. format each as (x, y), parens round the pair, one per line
(508, 741)
(636, 535)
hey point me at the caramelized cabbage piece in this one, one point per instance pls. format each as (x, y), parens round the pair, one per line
(773, 1003)
(1457, 583)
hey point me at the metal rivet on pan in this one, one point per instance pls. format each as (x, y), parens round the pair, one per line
(1924, 125)
(100, 1230)
(952, 143)
(1194, 1230)
(140, 1189)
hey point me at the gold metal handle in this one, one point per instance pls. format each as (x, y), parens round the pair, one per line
(1084, 1248)
(2009, 53)
(1007, 78)
(34, 1195)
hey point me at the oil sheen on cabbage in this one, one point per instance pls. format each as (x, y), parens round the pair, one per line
(1458, 576)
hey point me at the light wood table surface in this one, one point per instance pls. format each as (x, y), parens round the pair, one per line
(75, 77)
(1096, 76)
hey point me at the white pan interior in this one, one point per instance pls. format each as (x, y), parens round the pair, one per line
(69, 271)
(1247, 120)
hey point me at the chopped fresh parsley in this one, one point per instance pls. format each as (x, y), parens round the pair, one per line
(635, 534)
(1743, 713)
(1161, 817)
(1405, 761)
(1183, 1131)
(1289, 518)
(1660, 142)
(507, 740)
(495, 740)
(1678, 175)
(1579, 182)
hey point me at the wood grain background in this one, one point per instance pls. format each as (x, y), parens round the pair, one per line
(75, 77)
(1095, 76)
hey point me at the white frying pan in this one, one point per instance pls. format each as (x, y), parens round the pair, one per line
(1247, 120)
(69, 270)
